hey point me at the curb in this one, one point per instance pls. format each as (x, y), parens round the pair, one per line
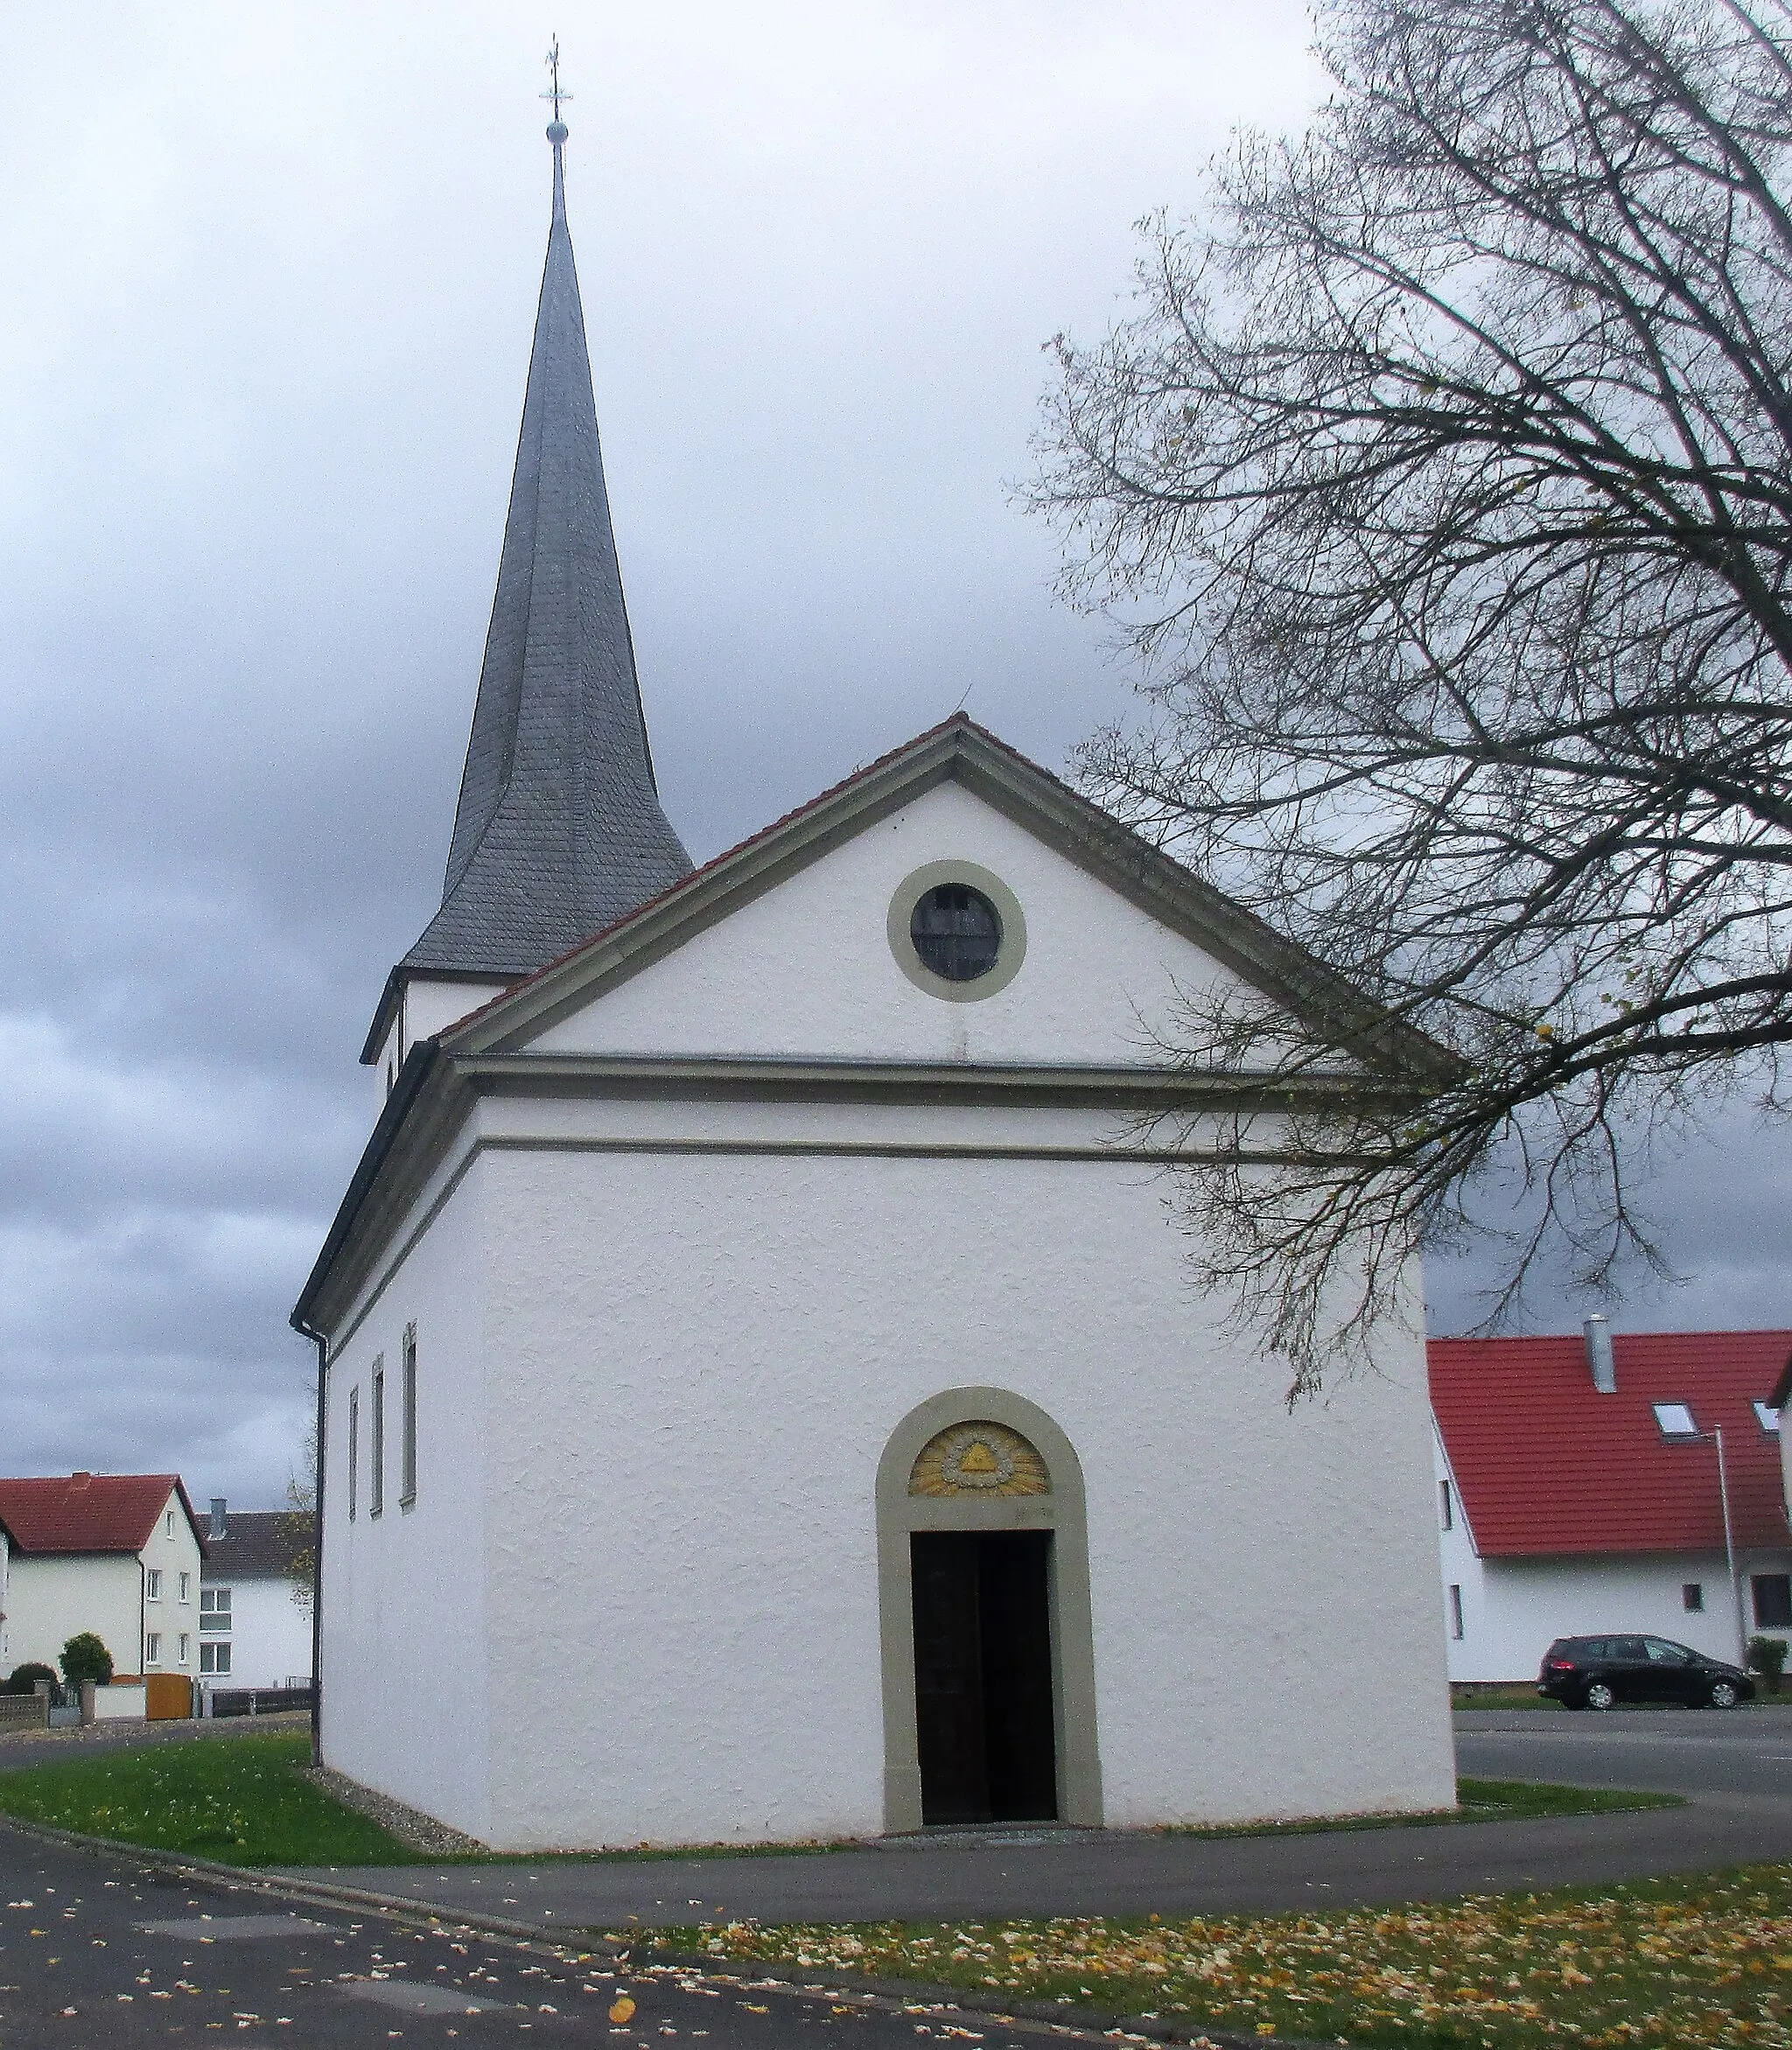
(897, 1995)
(238, 1878)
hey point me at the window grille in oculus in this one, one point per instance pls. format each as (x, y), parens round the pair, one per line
(957, 932)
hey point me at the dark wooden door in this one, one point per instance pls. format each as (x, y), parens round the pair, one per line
(1018, 1732)
(948, 1703)
(985, 1725)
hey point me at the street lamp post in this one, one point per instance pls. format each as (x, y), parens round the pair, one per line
(1716, 1437)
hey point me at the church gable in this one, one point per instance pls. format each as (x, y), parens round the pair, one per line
(823, 965)
(1063, 938)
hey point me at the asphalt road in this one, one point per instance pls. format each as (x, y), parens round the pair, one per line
(1746, 1752)
(99, 1953)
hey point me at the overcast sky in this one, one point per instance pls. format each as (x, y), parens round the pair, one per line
(269, 278)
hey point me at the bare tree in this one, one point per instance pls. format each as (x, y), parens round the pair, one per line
(298, 1523)
(1442, 479)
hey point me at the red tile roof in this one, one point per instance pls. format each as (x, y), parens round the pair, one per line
(1545, 1465)
(88, 1512)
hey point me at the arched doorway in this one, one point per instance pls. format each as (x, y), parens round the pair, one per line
(989, 1659)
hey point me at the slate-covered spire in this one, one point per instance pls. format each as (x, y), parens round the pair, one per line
(558, 831)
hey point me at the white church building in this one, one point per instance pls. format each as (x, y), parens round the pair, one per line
(756, 1330)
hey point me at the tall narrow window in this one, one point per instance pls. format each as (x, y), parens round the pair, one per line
(406, 1449)
(1455, 1610)
(376, 1444)
(1772, 1601)
(354, 1448)
(1447, 1508)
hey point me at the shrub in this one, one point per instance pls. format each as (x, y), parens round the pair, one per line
(85, 1658)
(1767, 1656)
(26, 1676)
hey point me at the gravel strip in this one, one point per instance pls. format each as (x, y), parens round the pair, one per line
(412, 1828)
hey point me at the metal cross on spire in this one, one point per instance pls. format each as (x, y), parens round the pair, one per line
(554, 92)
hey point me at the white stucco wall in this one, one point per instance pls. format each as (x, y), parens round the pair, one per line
(691, 1362)
(705, 1558)
(424, 1008)
(270, 1634)
(663, 1343)
(806, 969)
(406, 1695)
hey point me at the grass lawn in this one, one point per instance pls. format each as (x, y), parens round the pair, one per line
(242, 1800)
(1480, 1693)
(1667, 1962)
(239, 1800)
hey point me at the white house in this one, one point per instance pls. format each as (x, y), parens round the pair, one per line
(1578, 1490)
(255, 1613)
(752, 1327)
(117, 1554)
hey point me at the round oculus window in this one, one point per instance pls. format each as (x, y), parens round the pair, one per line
(957, 931)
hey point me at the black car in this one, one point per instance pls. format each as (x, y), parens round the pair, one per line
(1594, 1672)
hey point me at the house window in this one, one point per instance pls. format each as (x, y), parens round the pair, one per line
(152, 1584)
(407, 1448)
(187, 1587)
(185, 1648)
(152, 1648)
(1675, 1420)
(1455, 1610)
(1772, 1601)
(1767, 1418)
(168, 1523)
(215, 1658)
(214, 1609)
(1446, 1509)
(1692, 1596)
(376, 1446)
(354, 1448)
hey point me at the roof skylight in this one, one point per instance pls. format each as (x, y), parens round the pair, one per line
(1675, 1420)
(1767, 1416)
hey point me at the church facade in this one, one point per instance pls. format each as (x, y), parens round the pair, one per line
(756, 1328)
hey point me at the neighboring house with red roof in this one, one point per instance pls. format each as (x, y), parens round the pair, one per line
(1578, 1491)
(118, 1554)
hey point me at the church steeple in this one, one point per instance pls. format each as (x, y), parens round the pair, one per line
(558, 831)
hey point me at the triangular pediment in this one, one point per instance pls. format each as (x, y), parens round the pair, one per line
(792, 945)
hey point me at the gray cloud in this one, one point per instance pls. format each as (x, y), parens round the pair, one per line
(271, 275)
